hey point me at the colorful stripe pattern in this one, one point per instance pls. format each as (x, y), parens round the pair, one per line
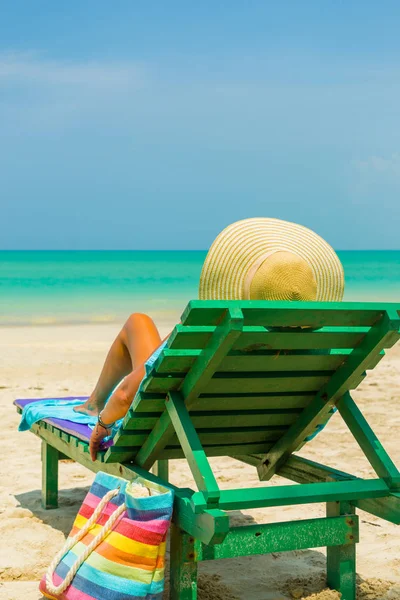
(129, 563)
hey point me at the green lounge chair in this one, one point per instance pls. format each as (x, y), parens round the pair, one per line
(253, 380)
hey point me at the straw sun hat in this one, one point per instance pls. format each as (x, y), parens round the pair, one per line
(270, 259)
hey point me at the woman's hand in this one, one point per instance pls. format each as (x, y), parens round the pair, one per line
(115, 409)
(98, 435)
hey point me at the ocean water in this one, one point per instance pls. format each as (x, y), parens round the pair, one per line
(44, 287)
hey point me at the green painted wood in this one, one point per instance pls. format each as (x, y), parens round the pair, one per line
(240, 419)
(220, 343)
(211, 437)
(288, 360)
(146, 403)
(257, 401)
(133, 439)
(382, 335)
(252, 459)
(387, 508)
(288, 314)
(192, 447)
(306, 339)
(180, 361)
(223, 402)
(296, 381)
(49, 476)
(368, 442)
(268, 382)
(297, 494)
(161, 469)
(215, 419)
(84, 446)
(310, 418)
(163, 384)
(231, 419)
(341, 560)
(183, 569)
(155, 403)
(142, 420)
(209, 527)
(208, 362)
(302, 470)
(258, 338)
(153, 448)
(354, 382)
(127, 453)
(241, 435)
(190, 338)
(283, 537)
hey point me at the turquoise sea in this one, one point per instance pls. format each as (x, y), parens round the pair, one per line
(43, 287)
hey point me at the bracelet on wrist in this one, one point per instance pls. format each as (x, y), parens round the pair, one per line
(105, 425)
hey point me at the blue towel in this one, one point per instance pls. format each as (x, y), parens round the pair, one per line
(56, 409)
(53, 408)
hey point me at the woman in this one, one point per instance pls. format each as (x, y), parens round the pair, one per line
(253, 259)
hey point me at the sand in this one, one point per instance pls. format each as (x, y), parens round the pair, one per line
(57, 361)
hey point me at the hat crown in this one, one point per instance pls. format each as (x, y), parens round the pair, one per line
(282, 276)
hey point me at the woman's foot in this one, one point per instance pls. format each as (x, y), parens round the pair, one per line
(90, 407)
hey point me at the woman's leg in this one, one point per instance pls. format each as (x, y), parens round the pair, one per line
(134, 344)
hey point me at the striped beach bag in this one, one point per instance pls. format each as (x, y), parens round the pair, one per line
(116, 548)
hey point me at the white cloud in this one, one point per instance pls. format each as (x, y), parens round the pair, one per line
(375, 179)
(380, 165)
(47, 95)
(30, 68)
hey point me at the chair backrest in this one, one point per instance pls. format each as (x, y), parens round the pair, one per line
(247, 370)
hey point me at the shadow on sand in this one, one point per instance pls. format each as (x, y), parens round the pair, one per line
(60, 518)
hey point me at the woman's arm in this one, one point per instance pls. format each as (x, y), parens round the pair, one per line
(116, 407)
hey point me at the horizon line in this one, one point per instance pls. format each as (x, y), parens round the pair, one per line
(166, 250)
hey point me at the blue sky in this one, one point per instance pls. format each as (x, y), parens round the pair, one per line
(153, 125)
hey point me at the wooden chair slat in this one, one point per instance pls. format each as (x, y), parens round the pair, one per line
(242, 384)
(248, 401)
(215, 420)
(287, 314)
(262, 360)
(125, 454)
(195, 338)
(212, 402)
(211, 436)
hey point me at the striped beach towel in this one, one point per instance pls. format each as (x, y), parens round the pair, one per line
(116, 549)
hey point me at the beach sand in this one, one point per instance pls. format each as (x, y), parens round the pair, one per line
(63, 361)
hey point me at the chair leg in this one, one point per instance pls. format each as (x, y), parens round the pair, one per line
(161, 469)
(183, 569)
(49, 476)
(341, 560)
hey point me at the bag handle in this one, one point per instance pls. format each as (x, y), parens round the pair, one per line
(53, 589)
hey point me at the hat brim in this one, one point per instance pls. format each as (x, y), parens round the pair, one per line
(241, 244)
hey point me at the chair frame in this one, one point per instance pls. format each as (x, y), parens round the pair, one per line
(201, 529)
